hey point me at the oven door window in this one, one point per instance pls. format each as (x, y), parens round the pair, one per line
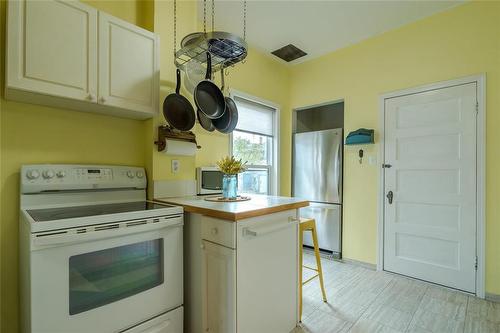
(102, 277)
(212, 180)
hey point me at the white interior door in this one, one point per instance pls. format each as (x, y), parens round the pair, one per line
(430, 225)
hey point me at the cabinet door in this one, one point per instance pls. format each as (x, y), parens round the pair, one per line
(128, 65)
(219, 296)
(267, 279)
(52, 48)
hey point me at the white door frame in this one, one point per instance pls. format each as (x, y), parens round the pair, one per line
(480, 79)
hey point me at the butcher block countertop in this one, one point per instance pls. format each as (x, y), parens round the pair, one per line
(233, 211)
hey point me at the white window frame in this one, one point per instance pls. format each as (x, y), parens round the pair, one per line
(274, 180)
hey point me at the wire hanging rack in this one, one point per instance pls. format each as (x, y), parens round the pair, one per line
(226, 49)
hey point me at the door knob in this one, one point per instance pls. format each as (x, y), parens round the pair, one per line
(390, 196)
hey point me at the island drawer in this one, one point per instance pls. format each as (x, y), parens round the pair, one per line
(219, 231)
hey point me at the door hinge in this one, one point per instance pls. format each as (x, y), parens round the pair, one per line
(475, 265)
(477, 108)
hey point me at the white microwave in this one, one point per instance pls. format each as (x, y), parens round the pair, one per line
(208, 180)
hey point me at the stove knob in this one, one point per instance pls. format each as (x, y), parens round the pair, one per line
(130, 174)
(139, 174)
(48, 174)
(32, 174)
(61, 174)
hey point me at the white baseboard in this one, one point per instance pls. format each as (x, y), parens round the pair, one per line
(363, 264)
(492, 297)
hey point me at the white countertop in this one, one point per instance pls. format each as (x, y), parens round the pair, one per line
(258, 205)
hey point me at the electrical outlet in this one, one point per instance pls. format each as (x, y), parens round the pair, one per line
(176, 165)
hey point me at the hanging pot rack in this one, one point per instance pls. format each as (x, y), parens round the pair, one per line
(226, 49)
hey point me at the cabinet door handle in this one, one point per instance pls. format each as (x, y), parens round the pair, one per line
(90, 97)
(102, 100)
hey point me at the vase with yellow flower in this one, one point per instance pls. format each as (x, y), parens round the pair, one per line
(230, 167)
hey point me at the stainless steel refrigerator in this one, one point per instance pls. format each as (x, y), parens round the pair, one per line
(317, 177)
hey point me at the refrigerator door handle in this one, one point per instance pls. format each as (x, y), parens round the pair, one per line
(338, 169)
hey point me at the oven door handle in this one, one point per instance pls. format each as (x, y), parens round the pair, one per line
(72, 236)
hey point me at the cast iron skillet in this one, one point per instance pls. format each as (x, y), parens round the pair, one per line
(177, 110)
(208, 97)
(227, 123)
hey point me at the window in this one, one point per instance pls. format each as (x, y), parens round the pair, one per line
(255, 141)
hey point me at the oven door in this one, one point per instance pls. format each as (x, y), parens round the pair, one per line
(108, 279)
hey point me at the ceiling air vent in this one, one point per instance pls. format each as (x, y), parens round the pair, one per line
(289, 53)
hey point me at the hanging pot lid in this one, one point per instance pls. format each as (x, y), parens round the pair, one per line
(191, 39)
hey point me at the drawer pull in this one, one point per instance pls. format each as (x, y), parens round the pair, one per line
(214, 231)
(266, 230)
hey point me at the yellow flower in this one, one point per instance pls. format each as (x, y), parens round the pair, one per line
(231, 166)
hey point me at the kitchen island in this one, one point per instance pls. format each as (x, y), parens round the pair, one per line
(240, 264)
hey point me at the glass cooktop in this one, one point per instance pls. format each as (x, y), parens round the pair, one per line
(51, 214)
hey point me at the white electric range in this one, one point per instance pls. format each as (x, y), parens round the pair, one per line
(95, 255)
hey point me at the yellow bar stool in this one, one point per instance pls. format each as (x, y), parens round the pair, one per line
(307, 224)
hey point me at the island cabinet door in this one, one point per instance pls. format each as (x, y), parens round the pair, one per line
(219, 290)
(267, 273)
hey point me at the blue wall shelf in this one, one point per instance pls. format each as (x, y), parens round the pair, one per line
(361, 136)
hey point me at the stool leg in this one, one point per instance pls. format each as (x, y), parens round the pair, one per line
(300, 274)
(318, 262)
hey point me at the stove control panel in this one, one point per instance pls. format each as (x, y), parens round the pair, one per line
(68, 177)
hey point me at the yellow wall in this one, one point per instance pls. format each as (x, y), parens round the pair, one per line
(36, 134)
(456, 43)
(453, 44)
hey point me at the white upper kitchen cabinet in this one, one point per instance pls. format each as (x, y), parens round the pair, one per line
(69, 55)
(128, 65)
(52, 48)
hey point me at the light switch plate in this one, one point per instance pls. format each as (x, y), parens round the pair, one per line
(176, 165)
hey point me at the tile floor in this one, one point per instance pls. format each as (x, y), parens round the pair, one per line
(363, 300)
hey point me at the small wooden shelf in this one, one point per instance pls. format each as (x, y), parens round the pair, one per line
(166, 132)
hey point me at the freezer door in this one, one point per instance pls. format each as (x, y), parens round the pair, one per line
(317, 166)
(328, 225)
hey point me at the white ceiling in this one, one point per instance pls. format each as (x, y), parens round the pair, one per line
(316, 27)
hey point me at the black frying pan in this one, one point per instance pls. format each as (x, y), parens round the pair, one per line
(208, 97)
(177, 110)
(227, 123)
(205, 122)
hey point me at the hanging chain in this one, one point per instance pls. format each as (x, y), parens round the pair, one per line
(175, 27)
(213, 15)
(205, 16)
(244, 20)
